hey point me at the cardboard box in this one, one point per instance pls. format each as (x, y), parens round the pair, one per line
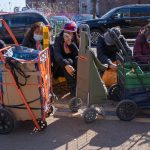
(31, 92)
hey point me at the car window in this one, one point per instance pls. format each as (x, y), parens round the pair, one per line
(60, 18)
(123, 13)
(108, 14)
(36, 18)
(5, 18)
(140, 12)
(16, 20)
(1, 25)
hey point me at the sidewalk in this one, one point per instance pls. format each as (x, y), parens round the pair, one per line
(109, 109)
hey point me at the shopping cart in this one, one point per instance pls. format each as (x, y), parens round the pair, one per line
(25, 86)
(133, 85)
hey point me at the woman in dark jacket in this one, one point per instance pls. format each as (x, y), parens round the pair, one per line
(65, 54)
(34, 36)
(141, 50)
(107, 54)
(107, 50)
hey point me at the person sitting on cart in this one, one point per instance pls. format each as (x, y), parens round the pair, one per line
(107, 52)
(141, 50)
(65, 54)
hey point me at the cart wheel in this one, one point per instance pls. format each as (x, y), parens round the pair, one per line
(114, 93)
(89, 115)
(126, 110)
(51, 111)
(75, 104)
(7, 121)
(42, 124)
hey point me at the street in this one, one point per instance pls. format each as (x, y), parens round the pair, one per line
(83, 64)
(66, 133)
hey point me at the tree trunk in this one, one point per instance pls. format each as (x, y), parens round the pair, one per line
(94, 8)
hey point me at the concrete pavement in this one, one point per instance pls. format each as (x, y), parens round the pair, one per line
(65, 133)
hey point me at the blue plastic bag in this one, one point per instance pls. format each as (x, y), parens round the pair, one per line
(20, 52)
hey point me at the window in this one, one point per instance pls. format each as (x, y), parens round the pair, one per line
(17, 20)
(140, 12)
(123, 13)
(1, 25)
(6, 19)
(36, 18)
(84, 8)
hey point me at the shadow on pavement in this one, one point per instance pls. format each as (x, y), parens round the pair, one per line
(72, 134)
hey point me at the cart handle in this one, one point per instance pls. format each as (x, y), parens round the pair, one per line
(9, 31)
(43, 51)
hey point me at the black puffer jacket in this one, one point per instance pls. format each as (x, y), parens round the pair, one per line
(30, 43)
(107, 54)
(61, 58)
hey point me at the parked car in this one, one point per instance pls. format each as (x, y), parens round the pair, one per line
(60, 19)
(130, 18)
(82, 17)
(19, 24)
(57, 22)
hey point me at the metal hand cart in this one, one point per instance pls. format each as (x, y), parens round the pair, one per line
(91, 90)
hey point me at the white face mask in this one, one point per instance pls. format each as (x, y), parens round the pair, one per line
(37, 37)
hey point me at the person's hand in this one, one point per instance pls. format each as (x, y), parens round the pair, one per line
(70, 69)
(118, 62)
(113, 67)
(67, 39)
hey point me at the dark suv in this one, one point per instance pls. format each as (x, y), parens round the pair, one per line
(130, 18)
(19, 24)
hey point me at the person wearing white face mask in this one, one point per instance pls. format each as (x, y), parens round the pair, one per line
(34, 36)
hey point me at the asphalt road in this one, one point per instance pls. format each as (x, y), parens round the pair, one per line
(73, 134)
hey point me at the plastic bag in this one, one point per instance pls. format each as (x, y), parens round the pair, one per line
(20, 52)
(109, 77)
